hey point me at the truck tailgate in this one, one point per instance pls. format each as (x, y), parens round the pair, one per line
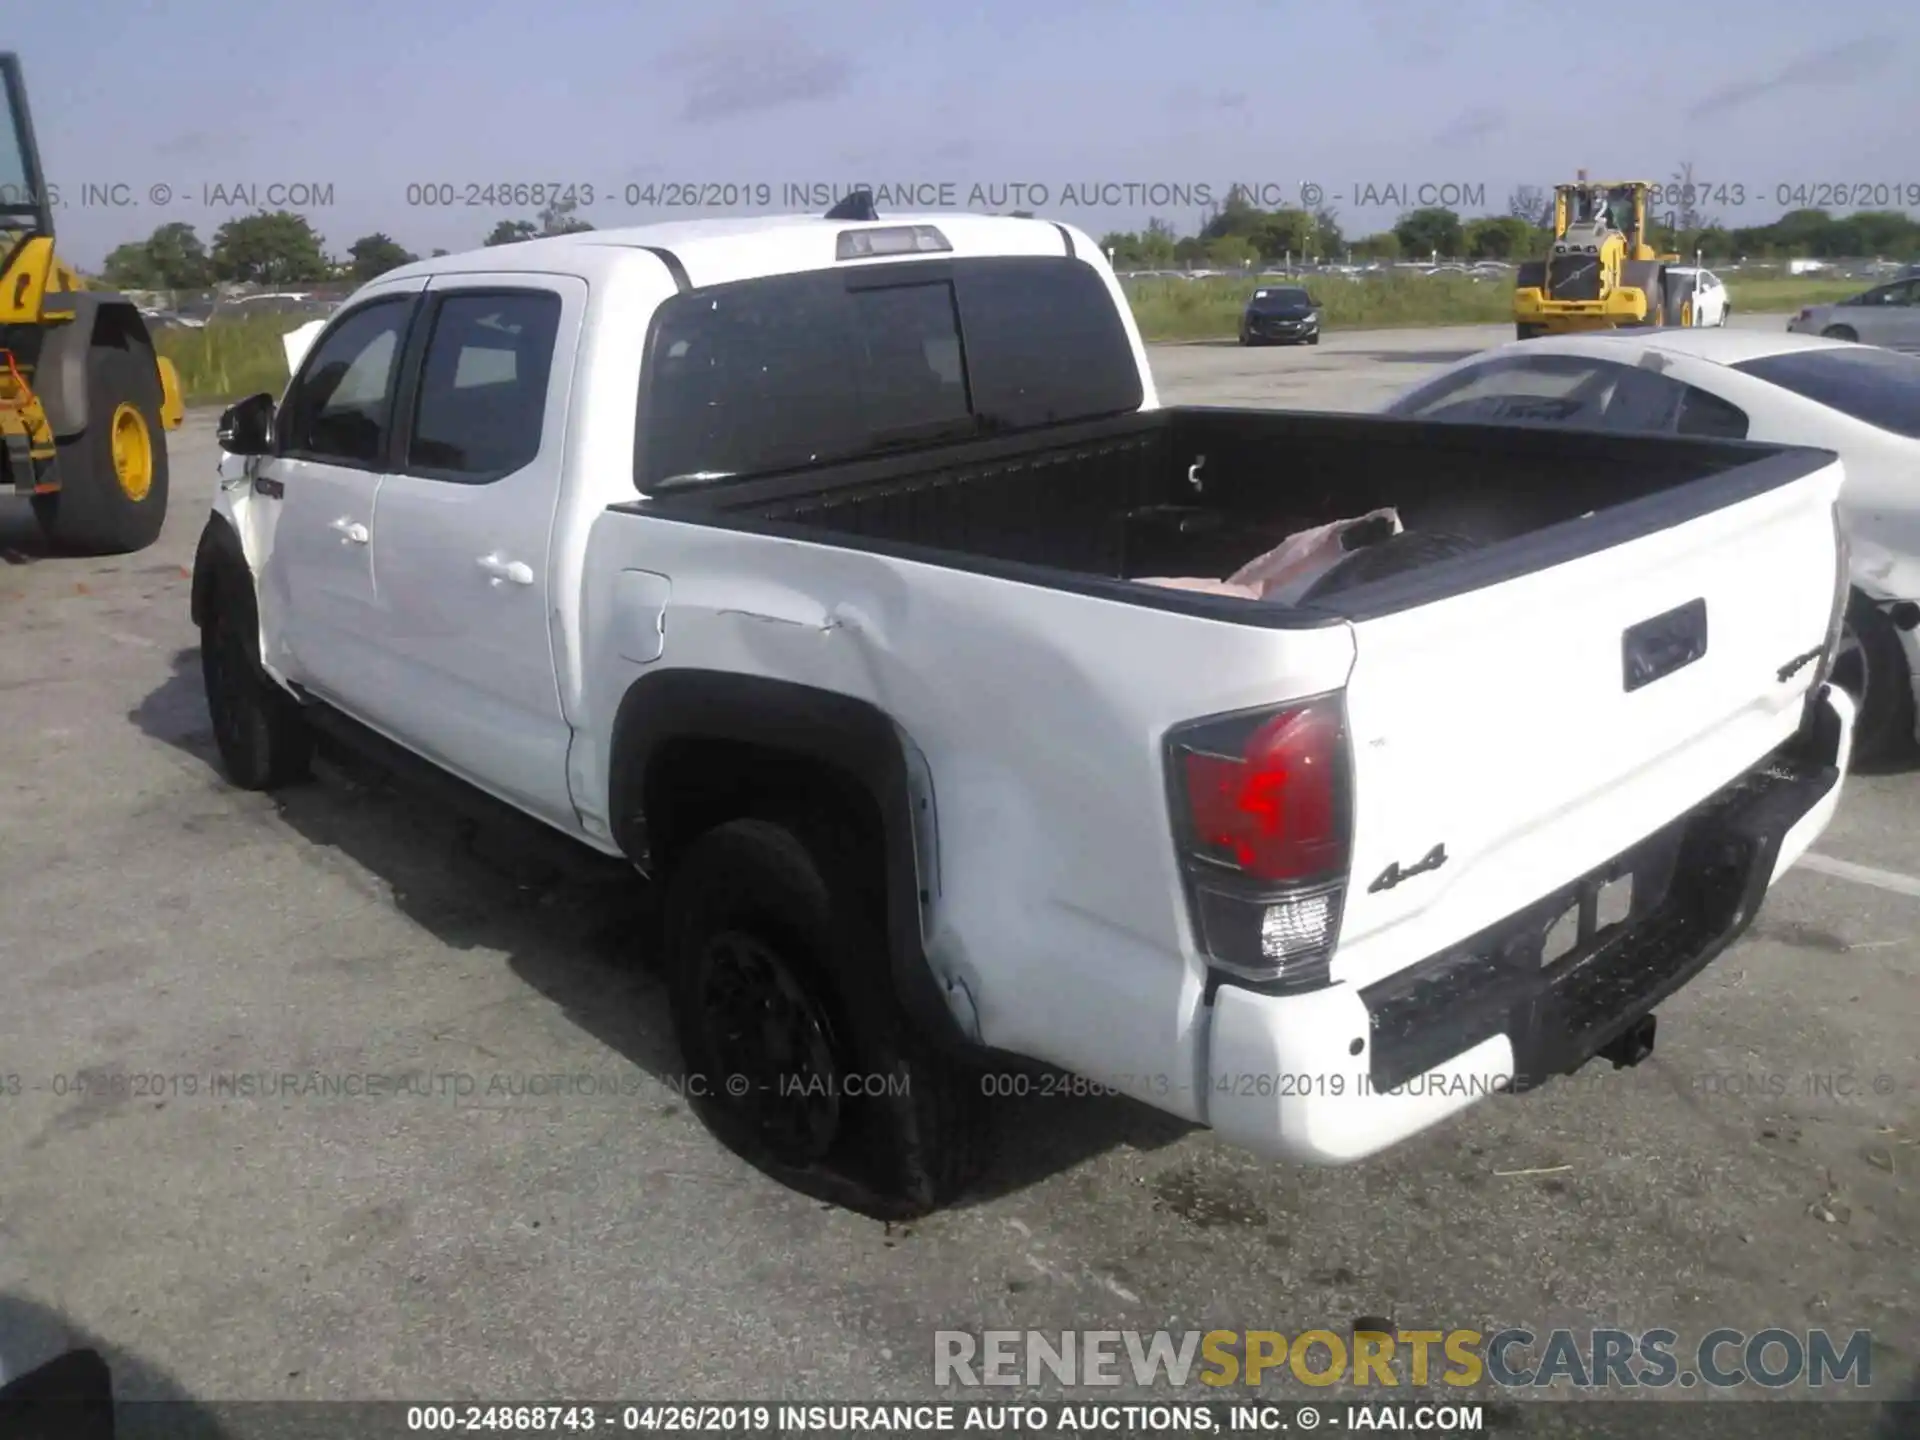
(1511, 737)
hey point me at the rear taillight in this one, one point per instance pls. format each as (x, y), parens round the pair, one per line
(1263, 819)
(1806, 314)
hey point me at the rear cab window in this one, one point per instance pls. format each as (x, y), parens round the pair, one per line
(1881, 387)
(787, 371)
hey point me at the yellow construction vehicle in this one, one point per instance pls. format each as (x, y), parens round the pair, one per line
(84, 400)
(1601, 270)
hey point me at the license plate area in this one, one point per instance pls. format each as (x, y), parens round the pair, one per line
(1602, 909)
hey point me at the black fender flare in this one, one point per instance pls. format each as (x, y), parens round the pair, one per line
(100, 317)
(219, 545)
(854, 740)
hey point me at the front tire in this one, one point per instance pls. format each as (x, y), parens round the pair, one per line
(1656, 316)
(263, 739)
(1872, 668)
(1527, 332)
(112, 498)
(798, 1055)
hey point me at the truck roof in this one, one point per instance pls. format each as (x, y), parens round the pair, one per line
(714, 251)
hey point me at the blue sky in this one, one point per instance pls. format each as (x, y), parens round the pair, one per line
(369, 98)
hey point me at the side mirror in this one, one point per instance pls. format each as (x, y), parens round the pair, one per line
(247, 428)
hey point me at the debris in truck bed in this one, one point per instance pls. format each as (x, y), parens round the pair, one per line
(1285, 572)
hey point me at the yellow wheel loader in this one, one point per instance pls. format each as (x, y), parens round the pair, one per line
(84, 400)
(1601, 270)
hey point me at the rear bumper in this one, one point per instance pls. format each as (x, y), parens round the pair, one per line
(1344, 1073)
(1624, 305)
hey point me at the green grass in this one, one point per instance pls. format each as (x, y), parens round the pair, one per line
(1210, 308)
(228, 360)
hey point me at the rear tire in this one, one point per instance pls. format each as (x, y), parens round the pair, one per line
(777, 966)
(112, 498)
(1841, 332)
(1527, 332)
(1872, 668)
(263, 739)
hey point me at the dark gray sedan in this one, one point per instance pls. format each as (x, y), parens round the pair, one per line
(1280, 315)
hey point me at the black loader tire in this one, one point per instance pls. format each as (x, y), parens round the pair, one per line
(777, 969)
(1397, 554)
(1657, 291)
(92, 513)
(1883, 726)
(1524, 331)
(264, 741)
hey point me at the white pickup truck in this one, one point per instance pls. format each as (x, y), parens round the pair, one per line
(797, 562)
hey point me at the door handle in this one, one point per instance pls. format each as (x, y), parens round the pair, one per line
(518, 571)
(351, 532)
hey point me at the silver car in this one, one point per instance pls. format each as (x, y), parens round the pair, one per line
(1887, 315)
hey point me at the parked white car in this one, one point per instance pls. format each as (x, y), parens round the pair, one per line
(1860, 402)
(711, 549)
(1887, 315)
(1711, 302)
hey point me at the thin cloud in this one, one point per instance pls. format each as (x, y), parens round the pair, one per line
(751, 68)
(1470, 127)
(1836, 65)
(1188, 98)
(192, 143)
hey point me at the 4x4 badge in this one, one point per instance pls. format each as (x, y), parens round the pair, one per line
(1393, 874)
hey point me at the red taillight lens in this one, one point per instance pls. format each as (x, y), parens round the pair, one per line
(1262, 813)
(1276, 810)
(1806, 314)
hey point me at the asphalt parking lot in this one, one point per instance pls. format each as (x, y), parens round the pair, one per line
(478, 1240)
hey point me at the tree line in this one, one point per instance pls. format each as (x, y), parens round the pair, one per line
(281, 247)
(1239, 233)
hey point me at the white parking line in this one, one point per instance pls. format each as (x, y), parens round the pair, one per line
(1865, 874)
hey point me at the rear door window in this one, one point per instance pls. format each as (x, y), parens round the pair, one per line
(1578, 392)
(1881, 387)
(482, 399)
(1535, 389)
(793, 370)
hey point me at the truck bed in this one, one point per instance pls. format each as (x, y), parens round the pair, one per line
(1104, 503)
